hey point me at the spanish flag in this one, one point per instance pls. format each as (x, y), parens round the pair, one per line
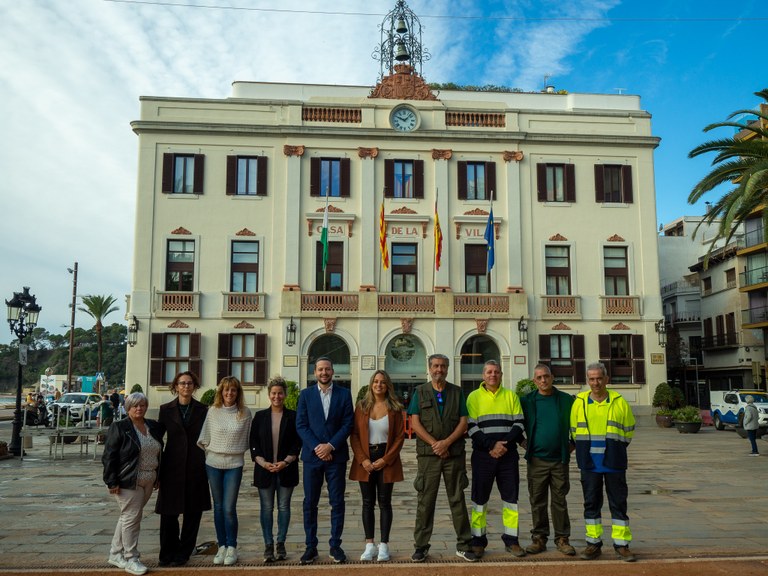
(383, 238)
(438, 239)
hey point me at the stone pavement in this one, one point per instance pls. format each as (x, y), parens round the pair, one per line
(690, 496)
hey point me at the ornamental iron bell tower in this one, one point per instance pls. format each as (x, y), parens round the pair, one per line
(400, 41)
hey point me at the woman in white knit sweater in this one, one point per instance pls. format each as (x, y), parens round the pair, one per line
(224, 438)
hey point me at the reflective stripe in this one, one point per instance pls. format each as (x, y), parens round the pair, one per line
(478, 519)
(617, 438)
(597, 449)
(620, 426)
(594, 530)
(581, 424)
(620, 532)
(510, 518)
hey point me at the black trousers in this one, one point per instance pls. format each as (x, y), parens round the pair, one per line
(375, 489)
(178, 543)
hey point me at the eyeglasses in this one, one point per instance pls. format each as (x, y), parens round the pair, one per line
(185, 383)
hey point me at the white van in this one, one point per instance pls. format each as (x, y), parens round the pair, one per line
(728, 407)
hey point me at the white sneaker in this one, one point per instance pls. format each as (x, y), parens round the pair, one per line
(117, 560)
(134, 566)
(370, 552)
(219, 558)
(383, 552)
(231, 556)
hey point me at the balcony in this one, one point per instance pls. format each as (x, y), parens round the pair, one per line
(755, 317)
(720, 341)
(324, 302)
(406, 303)
(557, 306)
(682, 318)
(177, 304)
(680, 287)
(754, 238)
(481, 304)
(621, 307)
(236, 304)
(753, 278)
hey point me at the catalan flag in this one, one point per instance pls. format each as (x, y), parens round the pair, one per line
(438, 240)
(383, 238)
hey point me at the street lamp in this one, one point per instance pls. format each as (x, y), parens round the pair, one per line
(661, 330)
(72, 328)
(133, 331)
(23, 312)
(290, 333)
(522, 331)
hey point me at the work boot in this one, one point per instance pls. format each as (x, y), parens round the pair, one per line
(538, 545)
(478, 550)
(564, 547)
(515, 549)
(624, 553)
(592, 551)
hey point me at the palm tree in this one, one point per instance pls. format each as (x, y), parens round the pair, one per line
(742, 161)
(97, 307)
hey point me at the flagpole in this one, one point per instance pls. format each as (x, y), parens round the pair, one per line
(434, 232)
(325, 240)
(488, 252)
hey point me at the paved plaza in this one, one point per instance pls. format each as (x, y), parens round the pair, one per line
(690, 496)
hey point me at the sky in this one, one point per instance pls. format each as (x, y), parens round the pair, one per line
(72, 72)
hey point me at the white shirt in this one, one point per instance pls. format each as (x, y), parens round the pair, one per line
(325, 398)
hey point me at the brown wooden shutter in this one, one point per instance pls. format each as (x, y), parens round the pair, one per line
(545, 349)
(314, 176)
(222, 370)
(541, 182)
(156, 372)
(570, 183)
(344, 184)
(231, 175)
(261, 182)
(579, 362)
(260, 345)
(604, 349)
(490, 180)
(626, 184)
(196, 367)
(638, 371)
(638, 358)
(194, 345)
(638, 346)
(157, 345)
(224, 345)
(461, 173)
(260, 372)
(167, 179)
(197, 186)
(599, 191)
(418, 176)
(389, 178)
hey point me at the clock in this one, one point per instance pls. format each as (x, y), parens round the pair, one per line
(404, 119)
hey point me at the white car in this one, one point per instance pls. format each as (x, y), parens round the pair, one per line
(75, 403)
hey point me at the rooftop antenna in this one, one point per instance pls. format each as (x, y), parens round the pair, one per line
(620, 90)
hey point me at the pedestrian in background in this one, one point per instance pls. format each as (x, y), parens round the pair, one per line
(751, 423)
(183, 480)
(224, 437)
(131, 459)
(377, 438)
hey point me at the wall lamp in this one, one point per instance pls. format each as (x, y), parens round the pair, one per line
(290, 333)
(133, 331)
(522, 329)
(661, 330)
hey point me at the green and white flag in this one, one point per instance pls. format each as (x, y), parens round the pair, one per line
(324, 234)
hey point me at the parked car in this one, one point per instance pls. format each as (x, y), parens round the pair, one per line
(728, 408)
(76, 404)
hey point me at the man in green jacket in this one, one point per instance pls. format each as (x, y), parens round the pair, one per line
(547, 413)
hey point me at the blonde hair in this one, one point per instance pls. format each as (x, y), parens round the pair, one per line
(390, 399)
(226, 383)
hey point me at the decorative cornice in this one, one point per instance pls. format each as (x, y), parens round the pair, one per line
(181, 231)
(620, 326)
(178, 324)
(331, 208)
(243, 325)
(367, 152)
(438, 154)
(476, 212)
(561, 326)
(482, 325)
(245, 232)
(558, 238)
(616, 238)
(515, 155)
(330, 325)
(293, 150)
(404, 84)
(403, 210)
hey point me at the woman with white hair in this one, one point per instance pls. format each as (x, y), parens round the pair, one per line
(751, 423)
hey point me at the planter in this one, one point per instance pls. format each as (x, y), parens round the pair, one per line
(664, 421)
(688, 427)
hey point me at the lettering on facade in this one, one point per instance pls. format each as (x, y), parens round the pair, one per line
(333, 229)
(403, 231)
(474, 232)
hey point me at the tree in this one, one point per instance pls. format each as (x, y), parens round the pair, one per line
(97, 307)
(741, 160)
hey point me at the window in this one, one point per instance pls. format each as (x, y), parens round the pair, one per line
(183, 173)
(730, 278)
(706, 286)
(613, 183)
(244, 267)
(171, 353)
(564, 354)
(404, 178)
(404, 268)
(180, 266)
(476, 180)
(476, 277)
(334, 269)
(624, 357)
(616, 271)
(246, 175)
(329, 177)
(243, 356)
(558, 270)
(556, 182)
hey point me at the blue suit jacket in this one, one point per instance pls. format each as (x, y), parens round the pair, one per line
(315, 429)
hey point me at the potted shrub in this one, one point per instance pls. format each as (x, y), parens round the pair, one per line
(525, 386)
(687, 419)
(664, 399)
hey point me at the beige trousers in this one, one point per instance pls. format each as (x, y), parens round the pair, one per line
(131, 502)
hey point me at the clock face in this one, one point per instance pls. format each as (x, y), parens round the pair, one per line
(404, 119)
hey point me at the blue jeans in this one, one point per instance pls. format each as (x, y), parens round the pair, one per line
(267, 499)
(225, 487)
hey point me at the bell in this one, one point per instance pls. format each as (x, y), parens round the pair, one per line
(401, 53)
(401, 27)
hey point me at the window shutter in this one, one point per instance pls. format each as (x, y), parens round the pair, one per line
(545, 349)
(197, 186)
(638, 346)
(156, 372)
(626, 184)
(261, 181)
(638, 371)
(570, 183)
(490, 180)
(260, 346)
(599, 191)
(541, 182)
(196, 367)
(579, 362)
(344, 178)
(157, 345)
(604, 348)
(418, 175)
(167, 179)
(231, 175)
(260, 372)
(314, 176)
(222, 370)
(194, 345)
(224, 345)
(389, 178)
(461, 173)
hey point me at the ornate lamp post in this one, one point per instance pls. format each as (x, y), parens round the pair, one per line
(23, 312)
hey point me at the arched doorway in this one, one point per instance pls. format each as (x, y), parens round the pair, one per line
(332, 347)
(406, 364)
(475, 352)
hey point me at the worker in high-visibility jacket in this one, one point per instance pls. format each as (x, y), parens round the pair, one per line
(602, 426)
(495, 425)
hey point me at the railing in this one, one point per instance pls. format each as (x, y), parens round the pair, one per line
(727, 340)
(754, 237)
(329, 302)
(561, 304)
(475, 119)
(481, 303)
(679, 286)
(185, 303)
(238, 303)
(340, 115)
(402, 302)
(758, 315)
(680, 317)
(621, 305)
(754, 276)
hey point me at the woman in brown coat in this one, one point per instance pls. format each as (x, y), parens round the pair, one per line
(377, 439)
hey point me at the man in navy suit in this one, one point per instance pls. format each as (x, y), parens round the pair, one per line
(324, 420)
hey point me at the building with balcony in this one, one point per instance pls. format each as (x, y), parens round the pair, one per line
(235, 197)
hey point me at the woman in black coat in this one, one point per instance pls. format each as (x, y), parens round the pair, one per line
(183, 481)
(275, 447)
